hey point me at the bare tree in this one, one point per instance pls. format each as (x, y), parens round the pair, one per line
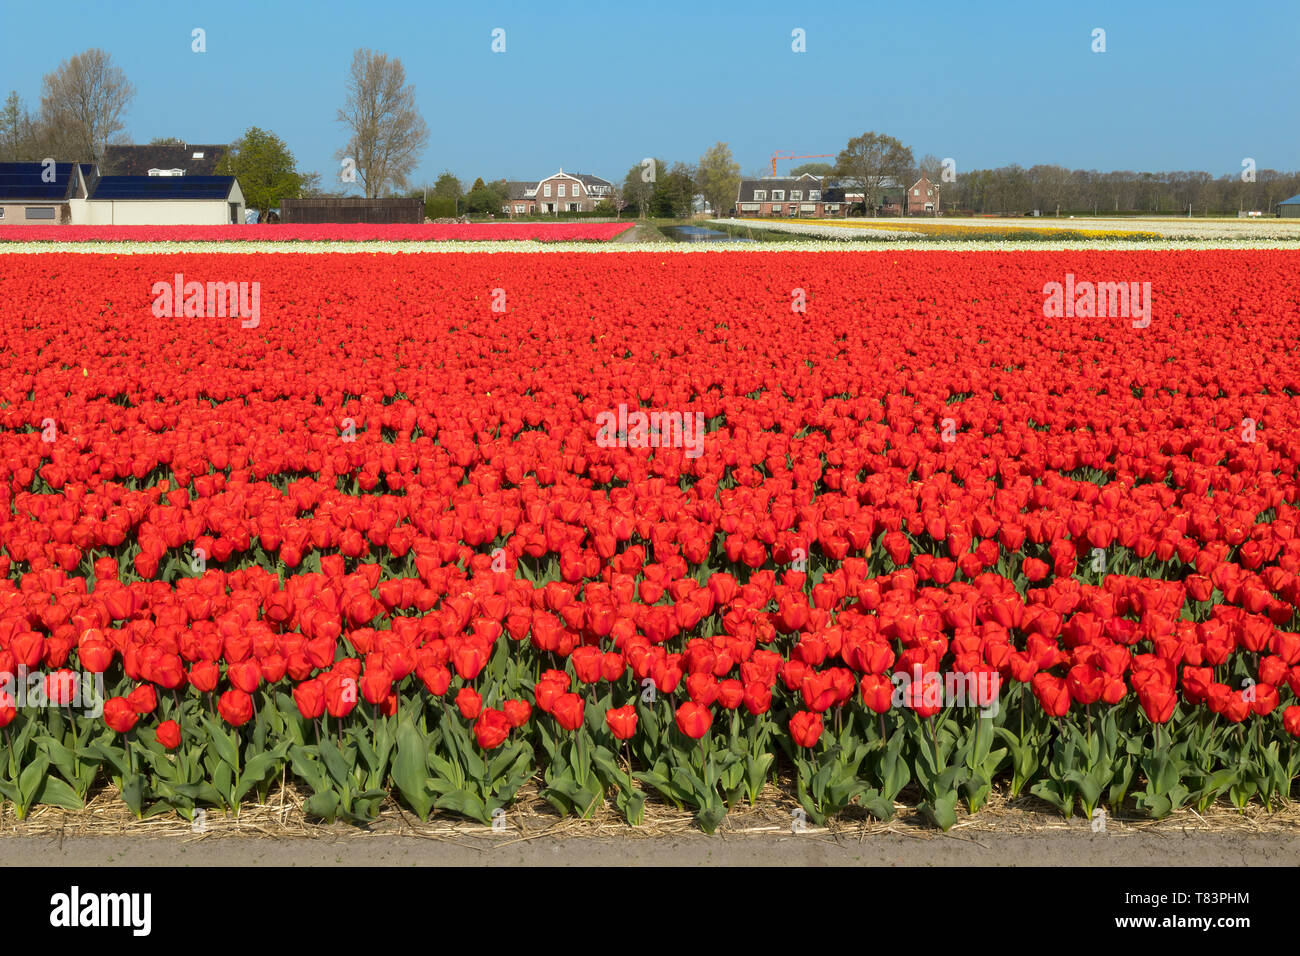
(931, 167)
(18, 131)
(870, 161)
(82, 104)
(386, 133)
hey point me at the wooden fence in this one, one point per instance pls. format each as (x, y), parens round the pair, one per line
(352, 209)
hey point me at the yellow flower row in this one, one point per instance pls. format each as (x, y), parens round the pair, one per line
(945, 230)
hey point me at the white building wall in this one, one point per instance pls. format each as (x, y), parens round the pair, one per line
(155, 212)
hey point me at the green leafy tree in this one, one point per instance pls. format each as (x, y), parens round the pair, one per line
(443, 200)
(673, 193)
(265, 168)
(639, 187)
(447, 187)
(718, 178)
(486, 199)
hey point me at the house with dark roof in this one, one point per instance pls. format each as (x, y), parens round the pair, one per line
(76, 194)
(560, 192)
(1289, 208)
(175, 159)
(165, 200)
(805, 196)
(43, 192)
(519, 198)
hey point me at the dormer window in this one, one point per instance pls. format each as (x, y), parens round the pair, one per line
(760, 195)
(778, 195)
(166, 172)
(814, 195)
(198, 155)
(796, 194)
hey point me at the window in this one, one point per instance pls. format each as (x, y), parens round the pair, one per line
(815, 195)
(547, 189)
(2, 213)
(833, 207)
(760, 195)
(778, 195)
(749, 207)
(916, 192)
(39, 212)
(198, 155)
(166, 172)
(519, 207)
(796, 194)
(561, 190)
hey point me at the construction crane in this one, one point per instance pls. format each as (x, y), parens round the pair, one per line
(786, 154)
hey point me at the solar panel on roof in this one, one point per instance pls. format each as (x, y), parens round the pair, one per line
(163, 187)
(34, 181)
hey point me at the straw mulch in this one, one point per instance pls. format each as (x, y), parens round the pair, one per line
(531, 817)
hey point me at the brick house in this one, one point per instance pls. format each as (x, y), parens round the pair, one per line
(923, 198)
(557, 193)
(520, 198)
(789, 198)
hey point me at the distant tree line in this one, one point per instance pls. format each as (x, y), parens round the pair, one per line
(1013, 189)
(872, 160)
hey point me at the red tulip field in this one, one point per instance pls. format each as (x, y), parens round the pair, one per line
(885, 530)
(324, 232)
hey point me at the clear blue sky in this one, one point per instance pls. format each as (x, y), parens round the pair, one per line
(595, 87)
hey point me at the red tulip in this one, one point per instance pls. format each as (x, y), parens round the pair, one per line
(1291, 720)
(622, 721)
(119, 715)
(1052, 694)
(245, 675)
(143, 700)
(694, 720)
(758, 697)
(376, 684)
(1034, 569)
(568, 711)
(468, 702)
(310, 698)
(517, 711)
(168, 734)
(806, 728)
(1158, 702)
(235, 707)
(491, 729)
